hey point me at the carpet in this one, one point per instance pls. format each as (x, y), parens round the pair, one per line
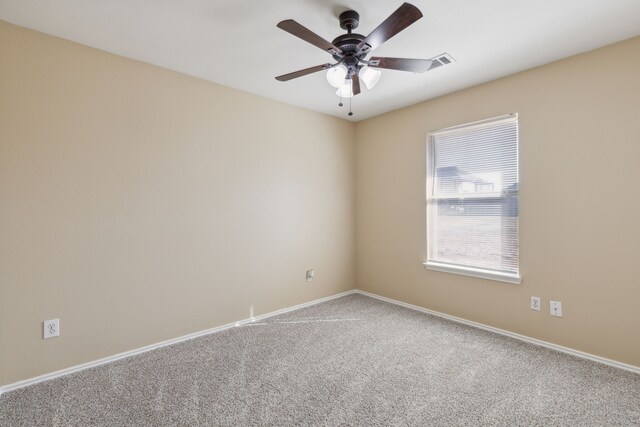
(350, 361)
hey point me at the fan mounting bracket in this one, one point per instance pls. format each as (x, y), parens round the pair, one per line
(349, 20)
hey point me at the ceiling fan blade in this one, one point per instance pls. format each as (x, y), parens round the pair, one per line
(292, 27)
(300, 73)
(355, 84)
(402, 64)
(404, 16)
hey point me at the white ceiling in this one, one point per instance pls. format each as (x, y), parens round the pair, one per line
(236, 42)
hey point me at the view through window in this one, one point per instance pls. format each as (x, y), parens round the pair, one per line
(472, 199)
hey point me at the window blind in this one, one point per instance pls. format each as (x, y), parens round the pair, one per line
(472, 197)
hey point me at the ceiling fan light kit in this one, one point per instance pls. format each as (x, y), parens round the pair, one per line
(336, 75)
(369, 76)
(345, 90)
(351, 51)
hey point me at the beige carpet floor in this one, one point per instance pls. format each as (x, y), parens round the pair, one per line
(350, 361)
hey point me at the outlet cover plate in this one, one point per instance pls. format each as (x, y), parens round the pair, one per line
(535, 303)
(51, 328)
(555, 307)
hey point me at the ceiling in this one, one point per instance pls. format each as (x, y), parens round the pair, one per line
(236, 42)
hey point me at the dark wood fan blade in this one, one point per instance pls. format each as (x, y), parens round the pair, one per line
(406, 15)
(355, 84)
(292, 27)
(300, 73)
(403, 64)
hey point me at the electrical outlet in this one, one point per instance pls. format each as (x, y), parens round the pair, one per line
(535, 303)
(310, 274)
(51, 328)
(555, 307)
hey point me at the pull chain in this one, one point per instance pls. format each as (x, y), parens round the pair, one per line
(350, 112)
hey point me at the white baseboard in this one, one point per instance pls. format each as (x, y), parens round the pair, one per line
(567, 350)
(77, 368)
(72, 369)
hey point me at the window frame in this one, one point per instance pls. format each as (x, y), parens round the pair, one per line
(483, 273)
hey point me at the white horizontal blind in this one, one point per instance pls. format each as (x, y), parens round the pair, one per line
(472, 196)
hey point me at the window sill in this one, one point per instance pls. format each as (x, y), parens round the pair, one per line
(473, 272)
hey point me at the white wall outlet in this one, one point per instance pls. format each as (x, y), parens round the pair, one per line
(535, 303)
(51, 328)
(555, 307)
(310, 274)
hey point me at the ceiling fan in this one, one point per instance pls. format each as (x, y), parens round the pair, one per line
(350, 51)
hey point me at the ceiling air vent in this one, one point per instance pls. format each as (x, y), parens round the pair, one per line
(442, 59)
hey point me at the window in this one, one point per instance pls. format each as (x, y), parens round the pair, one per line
(472, 199)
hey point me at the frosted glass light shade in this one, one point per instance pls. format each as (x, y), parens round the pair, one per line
(370, 77)
(336, 75)
(345, 90)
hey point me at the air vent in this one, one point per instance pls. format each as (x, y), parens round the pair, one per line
(442, 59)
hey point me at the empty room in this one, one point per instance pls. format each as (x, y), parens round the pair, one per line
(319, 213)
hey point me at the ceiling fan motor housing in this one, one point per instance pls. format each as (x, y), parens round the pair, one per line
(348, 43)
(350, 55)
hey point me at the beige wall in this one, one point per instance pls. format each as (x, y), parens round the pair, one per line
(138, 204)
(580, 215)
